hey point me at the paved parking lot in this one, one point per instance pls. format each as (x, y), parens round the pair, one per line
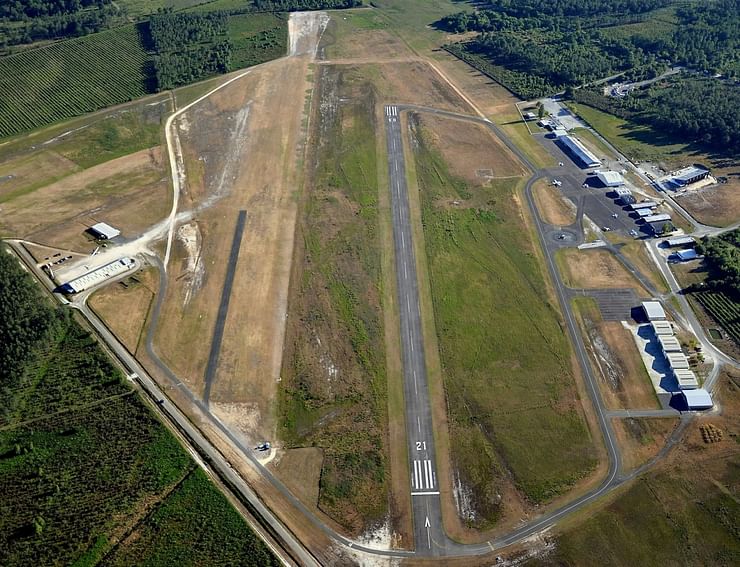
(614, 304)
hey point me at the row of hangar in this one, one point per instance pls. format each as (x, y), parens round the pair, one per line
(696, 398)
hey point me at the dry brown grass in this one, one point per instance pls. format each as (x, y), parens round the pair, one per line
(551, 204)
(300, 470)
(124, 306)
(129, 192)
(633, 389)
(717, 206)
(32, 171)
(262, 162)
(470, 150)
(414, 83)
(641, 438)
(595, 269)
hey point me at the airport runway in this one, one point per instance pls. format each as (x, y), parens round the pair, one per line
(429, 536)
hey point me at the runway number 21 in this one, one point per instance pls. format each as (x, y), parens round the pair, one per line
(421, 445)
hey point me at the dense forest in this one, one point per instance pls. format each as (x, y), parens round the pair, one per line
(694, 108)
(722, 256)
(539, 47)
(35, 20)
(22, 9)
(189, 47)
(569, 43)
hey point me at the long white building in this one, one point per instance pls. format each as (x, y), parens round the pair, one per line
(99, 275)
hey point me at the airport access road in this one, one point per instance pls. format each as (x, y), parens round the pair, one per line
(429, 536)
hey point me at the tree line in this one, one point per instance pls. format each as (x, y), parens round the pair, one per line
(188, 46)
(57, 23)
(696, 109)
(722, 257)
(16, 10)
(293, 5)
(569, 43)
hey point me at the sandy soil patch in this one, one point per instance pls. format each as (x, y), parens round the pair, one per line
(552, 206)
(717, 206)
(124, 306)
(129, 192)
(471, 151)
(244, 139)
(593, 269)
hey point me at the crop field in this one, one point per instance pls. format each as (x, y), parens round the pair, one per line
(513, 408)
(84, 459)
(723, 309)
(70, 78)
(334, 373)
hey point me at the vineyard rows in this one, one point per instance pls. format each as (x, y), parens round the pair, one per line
(723, 310)
(70, 78)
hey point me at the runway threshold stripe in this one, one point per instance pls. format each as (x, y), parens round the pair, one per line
(223, 308)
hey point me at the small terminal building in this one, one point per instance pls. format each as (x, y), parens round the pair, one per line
(98, 275)
(625, 196)
(698, 399)
(103, 231)
(643, 205)
(660, 228)
(669, 344)
(680, 241)
(689, 175)
(610, 178)
(686, 379)
(654, 311)
(662, 328)
(580, 154)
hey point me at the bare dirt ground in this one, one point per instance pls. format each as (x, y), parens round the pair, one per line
(129, 192)
(132, 296)
(595, 269)
(243, 142)
(553, 207)
(717, 206)
(642, 438)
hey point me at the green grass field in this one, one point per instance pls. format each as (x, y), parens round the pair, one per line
(334, 378)
(506, 361)
(85, 460)
(636, 141)
(670, 518)
(70, 78)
